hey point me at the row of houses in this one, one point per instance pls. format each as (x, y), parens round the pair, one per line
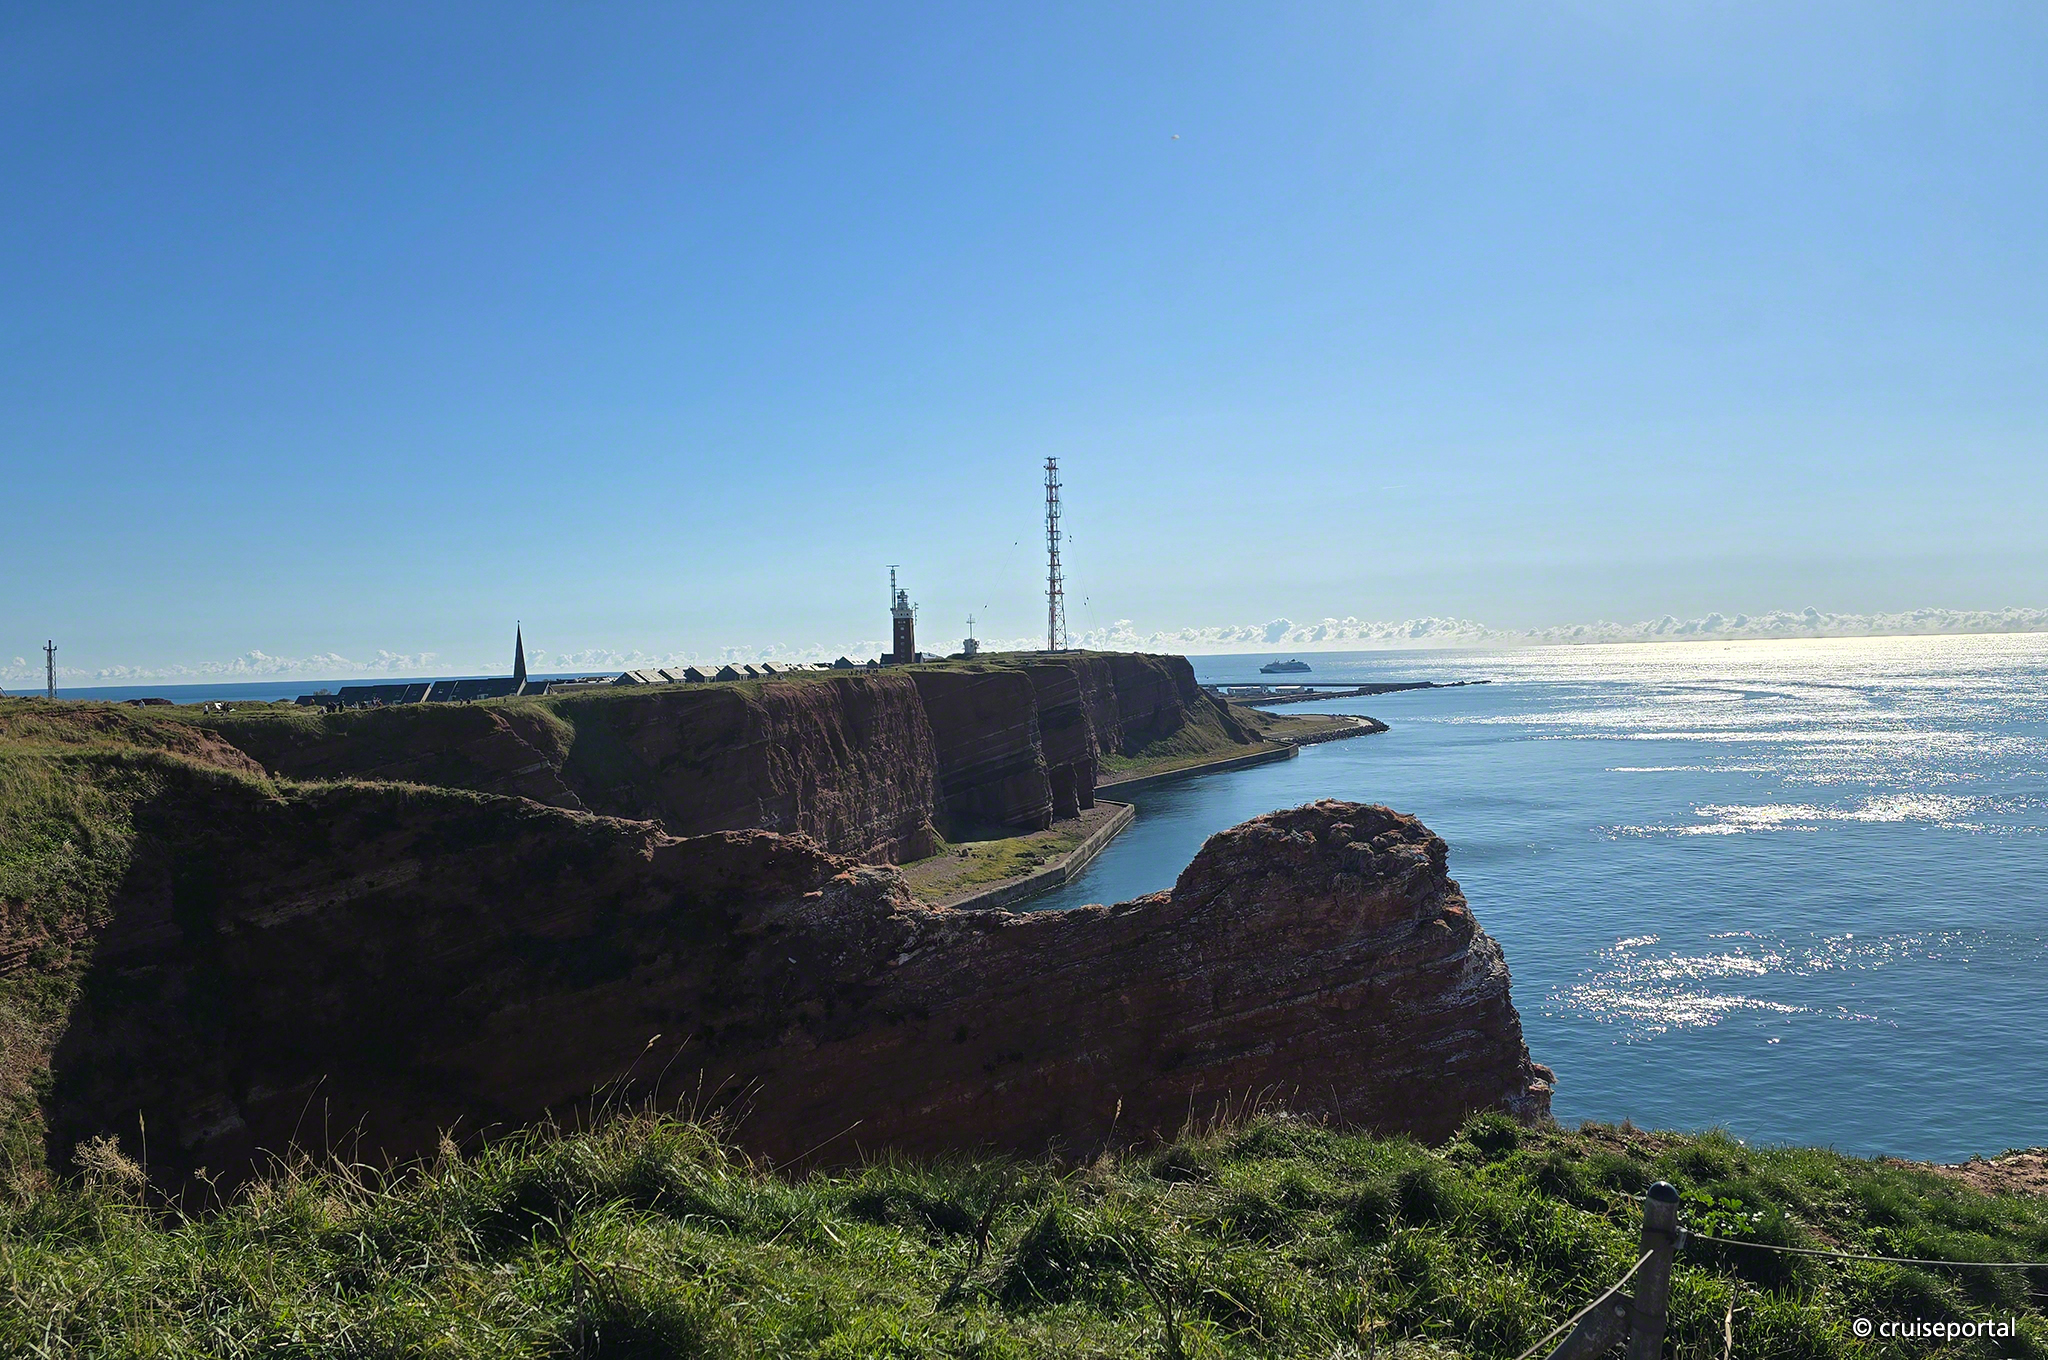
(502, 687)
(690, 675)
(469, 691)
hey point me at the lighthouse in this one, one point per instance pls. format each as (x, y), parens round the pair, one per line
(903, 618)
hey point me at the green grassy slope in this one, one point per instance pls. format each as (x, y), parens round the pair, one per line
(70, 777)
(1270, 1238)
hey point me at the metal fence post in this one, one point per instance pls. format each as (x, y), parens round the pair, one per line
(1653, 1281)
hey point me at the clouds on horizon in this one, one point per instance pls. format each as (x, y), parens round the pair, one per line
(1351, 634)
(1280, 634)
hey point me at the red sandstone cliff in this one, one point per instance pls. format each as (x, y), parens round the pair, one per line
(1019, 739)
(991, 753)
(862, 763)
(372, 965)
(847, 760)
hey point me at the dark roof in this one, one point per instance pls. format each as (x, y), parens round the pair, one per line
(555, 686)
(354, 696)
(469, 691)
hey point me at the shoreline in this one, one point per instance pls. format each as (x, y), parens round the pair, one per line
(1054, 875)
(1062, 870)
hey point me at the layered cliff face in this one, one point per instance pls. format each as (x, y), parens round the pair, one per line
(1020, 739)
(369, 966)
(1135, 701)
(863, 763)
(991, 751)
(1318, 957)
(846, 760)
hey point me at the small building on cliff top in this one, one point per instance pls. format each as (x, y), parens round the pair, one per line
(434, 691)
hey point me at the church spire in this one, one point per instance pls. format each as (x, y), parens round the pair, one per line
(518, 655)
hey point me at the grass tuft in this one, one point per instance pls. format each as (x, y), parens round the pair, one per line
(1271, 1237)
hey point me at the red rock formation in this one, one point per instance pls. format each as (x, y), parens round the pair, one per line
(1068, 737)
(366, 966)
(861, 763)
(991, 757)
(1019, 740)
(1135, 699)
(1318, 957)
(846, 760)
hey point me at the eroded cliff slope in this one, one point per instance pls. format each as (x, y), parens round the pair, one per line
(866, 763)
(368, 966)
(844, 759)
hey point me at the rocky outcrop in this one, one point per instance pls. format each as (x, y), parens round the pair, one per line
(862, 763)
(1068, 736)
(991, 751)
(1320, 958)
(845, 760)
(1020, 739)
(368, 966)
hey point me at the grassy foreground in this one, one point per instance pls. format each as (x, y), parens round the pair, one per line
(1270, 1238)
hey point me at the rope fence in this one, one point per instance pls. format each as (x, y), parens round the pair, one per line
(1854, 1256)
(1579, 1316)
(1639, 1320)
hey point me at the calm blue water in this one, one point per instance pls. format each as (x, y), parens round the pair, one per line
(1798, 890)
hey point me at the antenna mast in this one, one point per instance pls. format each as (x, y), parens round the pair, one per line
(50, 668)
(1055, 585)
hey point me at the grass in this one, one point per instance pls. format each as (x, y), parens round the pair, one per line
(1175, 753)
(1203, 740)
(962, 865)
(71, 777)
(1275, 726)
(649, 1237)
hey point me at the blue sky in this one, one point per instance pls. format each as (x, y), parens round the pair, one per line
(332, 331)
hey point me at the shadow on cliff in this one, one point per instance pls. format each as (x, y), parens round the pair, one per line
(363, 967)
(357, 968)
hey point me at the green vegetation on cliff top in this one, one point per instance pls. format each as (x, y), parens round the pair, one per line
(1266, 1238)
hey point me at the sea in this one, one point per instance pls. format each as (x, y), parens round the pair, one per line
(1795, 890)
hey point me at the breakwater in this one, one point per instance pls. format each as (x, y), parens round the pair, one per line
(1314, 691)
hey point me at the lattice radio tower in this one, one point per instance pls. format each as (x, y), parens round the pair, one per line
(1055, 584)
(50, 668)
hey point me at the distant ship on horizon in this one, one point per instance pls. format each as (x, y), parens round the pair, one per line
(1284, 668)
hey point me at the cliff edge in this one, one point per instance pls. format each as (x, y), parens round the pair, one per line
(367, 966)
(866, 763)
